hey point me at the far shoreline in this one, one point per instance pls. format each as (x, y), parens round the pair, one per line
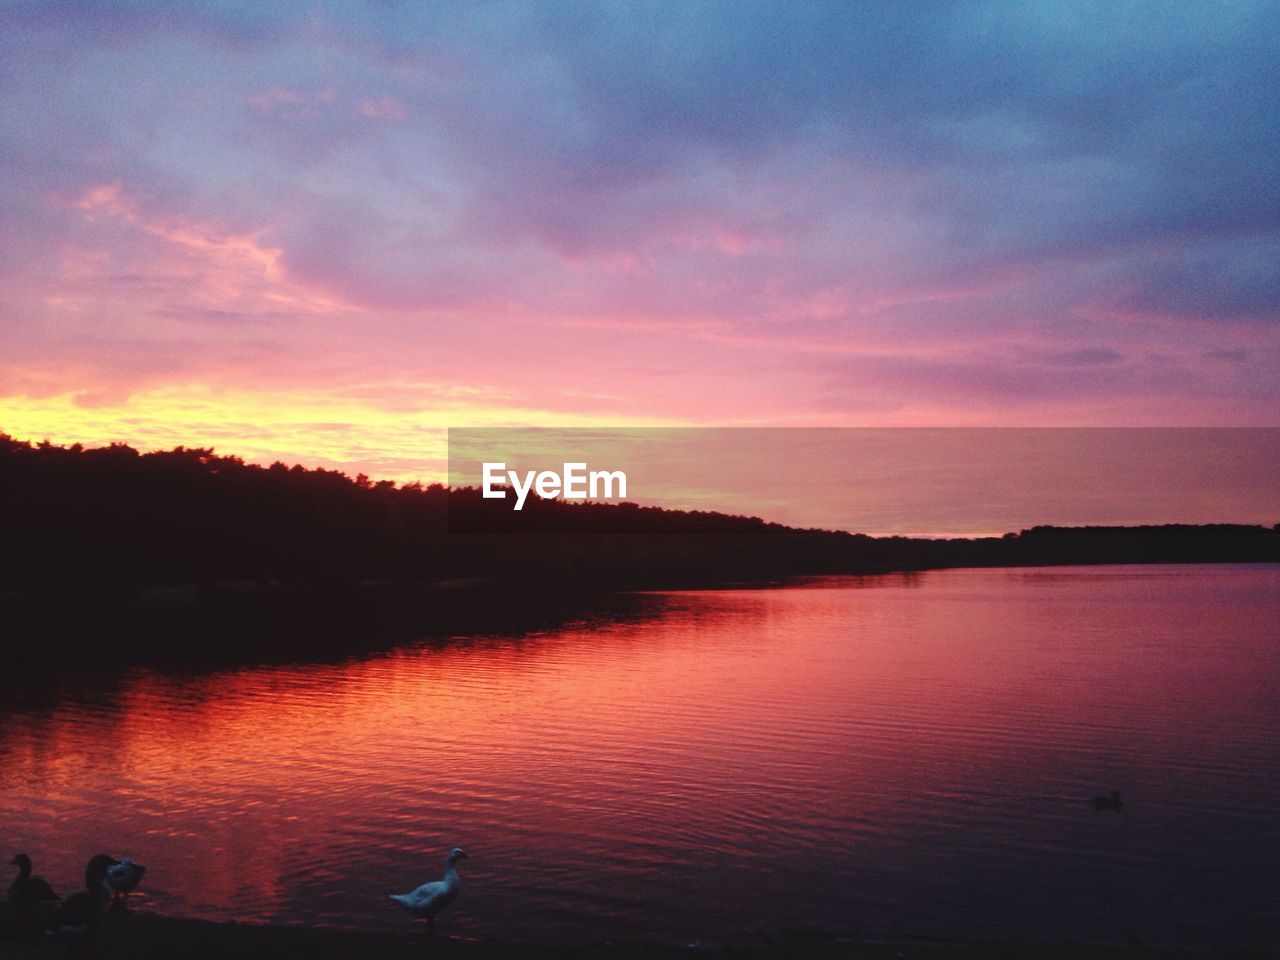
(243, 621)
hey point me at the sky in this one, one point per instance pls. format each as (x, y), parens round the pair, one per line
(322, 233)
(912, 481)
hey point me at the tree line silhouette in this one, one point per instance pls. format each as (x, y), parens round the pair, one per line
(89, 528)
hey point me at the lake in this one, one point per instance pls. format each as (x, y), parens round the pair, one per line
(883, 756)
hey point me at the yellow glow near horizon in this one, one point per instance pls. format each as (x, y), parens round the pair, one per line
(907, 481)
(403, 441)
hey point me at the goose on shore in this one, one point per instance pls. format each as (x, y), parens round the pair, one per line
(431, 898)
(28, 893)
(1108, 803)
(81, 912)
(123, 877)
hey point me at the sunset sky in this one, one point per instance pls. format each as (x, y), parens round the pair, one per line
(325, 232)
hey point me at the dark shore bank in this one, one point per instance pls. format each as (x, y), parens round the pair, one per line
(109, 553)
(145, 936)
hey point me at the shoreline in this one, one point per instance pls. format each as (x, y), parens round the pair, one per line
(141, 936)
(237, 622)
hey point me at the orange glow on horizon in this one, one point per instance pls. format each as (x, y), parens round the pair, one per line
(315, 428)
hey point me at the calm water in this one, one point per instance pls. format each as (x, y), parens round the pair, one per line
(897, 755)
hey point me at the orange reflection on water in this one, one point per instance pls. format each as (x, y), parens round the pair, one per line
(902, 735)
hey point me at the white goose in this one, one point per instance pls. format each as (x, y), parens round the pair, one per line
(431, 898)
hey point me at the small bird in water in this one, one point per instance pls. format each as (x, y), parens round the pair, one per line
(431, 898)
(1108, 803)
(28, 893)
(123, 877)
(81, 912)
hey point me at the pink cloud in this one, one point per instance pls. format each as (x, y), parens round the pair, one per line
(280, 101)
(384, 108)
(266, 101)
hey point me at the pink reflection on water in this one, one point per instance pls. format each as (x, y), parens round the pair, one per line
(855, 755)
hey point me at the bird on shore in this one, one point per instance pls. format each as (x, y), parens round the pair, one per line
(81, 912)
(1108, 803)
(431, 898)
(26, 892)
(123, 877)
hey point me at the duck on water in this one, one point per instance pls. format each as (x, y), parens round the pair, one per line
(123, 877)
(33, 905)
(81, 912)
(1112, 802)
(28, 893)
(431, 898)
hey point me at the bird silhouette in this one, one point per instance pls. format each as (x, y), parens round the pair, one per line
(81, 912)
(27, 893)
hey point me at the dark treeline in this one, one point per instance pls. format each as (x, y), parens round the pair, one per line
(190, 516)
(90, 529)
